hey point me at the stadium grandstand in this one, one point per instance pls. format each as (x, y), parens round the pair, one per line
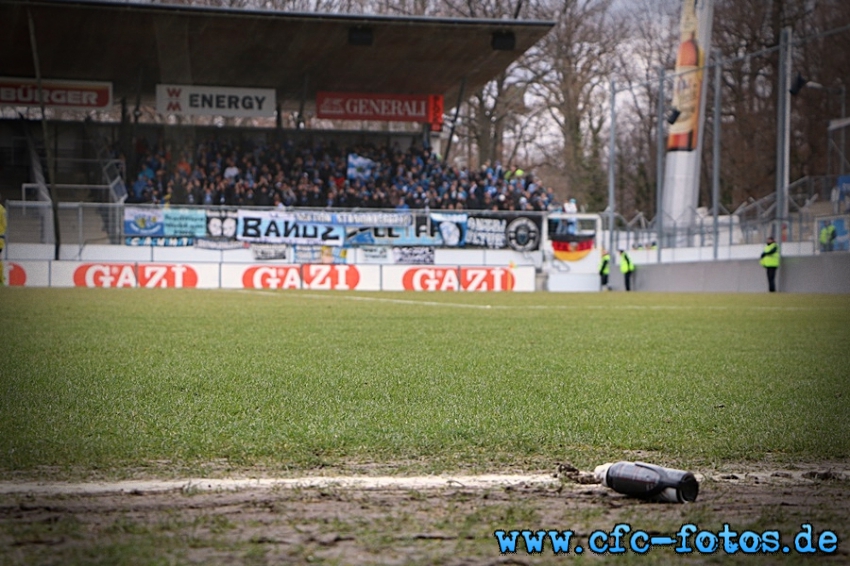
(157, 124)
(130, 49)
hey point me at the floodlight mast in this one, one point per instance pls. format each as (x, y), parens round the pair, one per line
(659, 166)
(783, 122)
(715, 173)
(612, 156)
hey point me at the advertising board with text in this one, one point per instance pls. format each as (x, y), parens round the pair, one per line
(422, 108)
(69, 95)
(334, 277)
(27, 273)
(478, 230)
(452, 278)
(191, 100)
(130, 274)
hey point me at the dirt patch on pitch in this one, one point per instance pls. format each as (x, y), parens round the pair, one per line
(392, 520)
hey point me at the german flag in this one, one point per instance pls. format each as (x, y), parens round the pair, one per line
(573, 249)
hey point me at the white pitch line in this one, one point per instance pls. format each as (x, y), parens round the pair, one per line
(381, 300)
(409, 302)
(537, 307)
(210, 485)
(482, 481)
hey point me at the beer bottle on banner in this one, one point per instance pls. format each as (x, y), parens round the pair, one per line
(683, 134)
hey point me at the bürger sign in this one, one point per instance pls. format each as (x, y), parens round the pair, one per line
(71, 95)
(423, 108)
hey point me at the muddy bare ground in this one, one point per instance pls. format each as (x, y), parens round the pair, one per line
(443, 520)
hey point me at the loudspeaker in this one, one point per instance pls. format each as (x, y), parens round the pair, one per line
(797, 85)
(673, 116)
(503, 41)
(360, 36)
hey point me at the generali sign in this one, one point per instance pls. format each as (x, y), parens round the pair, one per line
(71, 95)
(189, 100)
(423, 108)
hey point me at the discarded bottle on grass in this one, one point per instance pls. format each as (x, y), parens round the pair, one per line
(649, 481)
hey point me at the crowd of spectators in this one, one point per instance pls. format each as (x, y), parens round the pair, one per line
(283, 175)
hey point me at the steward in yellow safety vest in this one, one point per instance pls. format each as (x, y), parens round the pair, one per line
(604, 270)
(627, 267)
(827, 237)
(770, 261)
(2, 242)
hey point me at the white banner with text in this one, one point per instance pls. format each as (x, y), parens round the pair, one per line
(190, 100)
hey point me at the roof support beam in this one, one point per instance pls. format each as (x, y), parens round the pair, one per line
(454, 120)
(48, 148)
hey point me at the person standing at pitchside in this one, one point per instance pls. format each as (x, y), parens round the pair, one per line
(2, 241)
(604, 271)
(627, 267)
(770, 261)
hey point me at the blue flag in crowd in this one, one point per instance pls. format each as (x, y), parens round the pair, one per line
(359, 167)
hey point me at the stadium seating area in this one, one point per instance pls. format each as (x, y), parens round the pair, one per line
(215, 172)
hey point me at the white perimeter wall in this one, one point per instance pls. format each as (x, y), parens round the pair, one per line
(682, 270)
(825, 273)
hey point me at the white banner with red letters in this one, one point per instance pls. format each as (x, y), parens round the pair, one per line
(314, 276)
(150, 275)
(453, 278)
(27, 273)
(190, 100)
(311, 276)
(72, 95)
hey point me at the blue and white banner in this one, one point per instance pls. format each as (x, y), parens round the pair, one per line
(449, 228)
(413, 255)
(359, 167)
(379, 219)
(437, 229)
(493, 230)
(158, 241)
(286, 228)
(185, 222)
(146, 221)
(320, 254)
(843, 188)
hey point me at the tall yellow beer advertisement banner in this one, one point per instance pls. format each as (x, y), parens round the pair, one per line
(684, 139)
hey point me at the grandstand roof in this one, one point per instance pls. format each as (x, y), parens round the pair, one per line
(132, 44)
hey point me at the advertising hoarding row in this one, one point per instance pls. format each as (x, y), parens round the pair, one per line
(228, 101)
(337, 277)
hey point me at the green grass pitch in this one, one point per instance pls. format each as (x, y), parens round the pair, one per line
(117, 379)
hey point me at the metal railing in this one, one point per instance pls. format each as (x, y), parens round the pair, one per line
(750, 223)
(113, 170)
(85, 223)
(80, 223)
(733, 229)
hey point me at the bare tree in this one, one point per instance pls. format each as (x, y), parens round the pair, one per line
(749, 88)
(741, 28)
(574, 63)
(653, 36)
(498, 106)
(307, 6)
